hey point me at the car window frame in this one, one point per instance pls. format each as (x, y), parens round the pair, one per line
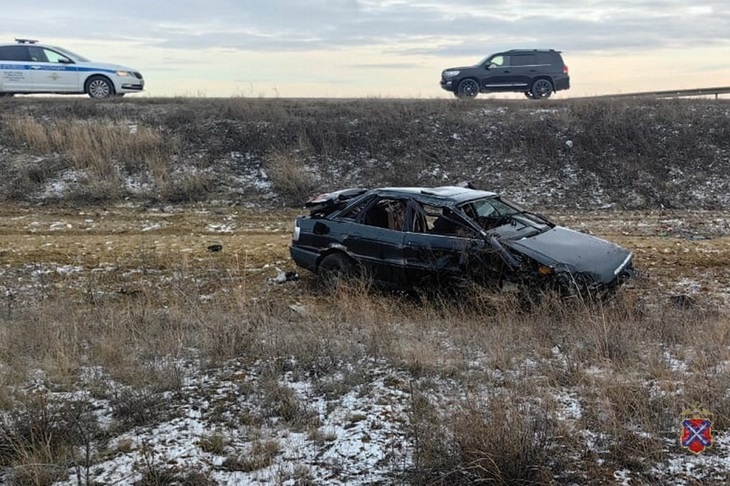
(18, 48)
(376, 200)
(505, 63)
(67, 60)
(529, 56)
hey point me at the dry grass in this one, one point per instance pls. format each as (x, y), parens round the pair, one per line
(289, 177)
(474, 347)
(636, 153)
(103, 151)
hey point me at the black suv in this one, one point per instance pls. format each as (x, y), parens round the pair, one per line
(535, 72)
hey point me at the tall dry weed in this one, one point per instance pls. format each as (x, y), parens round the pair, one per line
(505, 441)
(103, 150)
(289, 178)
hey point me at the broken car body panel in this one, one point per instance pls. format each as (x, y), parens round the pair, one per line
(577, 253)
(410, 236)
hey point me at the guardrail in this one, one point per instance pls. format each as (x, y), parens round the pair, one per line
(677, 93)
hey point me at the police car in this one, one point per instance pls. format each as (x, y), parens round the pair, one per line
(28, 67)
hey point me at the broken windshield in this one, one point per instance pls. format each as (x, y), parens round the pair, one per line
(507, 219)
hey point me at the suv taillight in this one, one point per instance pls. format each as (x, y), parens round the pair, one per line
(565, 69)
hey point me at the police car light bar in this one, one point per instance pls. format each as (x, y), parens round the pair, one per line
(26, 41)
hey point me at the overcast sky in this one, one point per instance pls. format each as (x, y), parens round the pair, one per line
(386, 48)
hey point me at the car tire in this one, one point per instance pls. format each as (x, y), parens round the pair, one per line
(541, 89)
(336, 267)
(467, 88)
(528, 95)
(99, 87)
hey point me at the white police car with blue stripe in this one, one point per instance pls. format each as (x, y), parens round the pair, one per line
(28, 67)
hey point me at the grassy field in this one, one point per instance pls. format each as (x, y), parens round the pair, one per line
(131, 352)
(136, 292)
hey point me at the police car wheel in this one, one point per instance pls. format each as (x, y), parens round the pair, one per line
(99, 88)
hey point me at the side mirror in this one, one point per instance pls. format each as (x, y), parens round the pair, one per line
(64, 60)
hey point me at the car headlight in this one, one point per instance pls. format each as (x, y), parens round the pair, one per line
(124, 74)
(450, 74)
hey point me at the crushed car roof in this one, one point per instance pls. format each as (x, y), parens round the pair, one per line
(456, 194)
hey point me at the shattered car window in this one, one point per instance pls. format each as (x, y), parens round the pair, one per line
(387, 213)
(492, 207)
(507, 218)
(443, 221)
(354, 212)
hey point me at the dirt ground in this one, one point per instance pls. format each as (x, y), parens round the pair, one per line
(124, 249)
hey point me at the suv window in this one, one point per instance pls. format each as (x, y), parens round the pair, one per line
(523, 60)
(14, 53)
(499, 61)
(548, 58)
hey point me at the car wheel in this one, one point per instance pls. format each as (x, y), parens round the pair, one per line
(541, 89)
(99, 87)
(468, 88)
(335, 267)
(529, 95)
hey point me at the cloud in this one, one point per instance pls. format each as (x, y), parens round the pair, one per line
(467, 27)
(365, 41)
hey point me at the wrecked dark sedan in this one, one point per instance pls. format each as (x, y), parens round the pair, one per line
(407, 237)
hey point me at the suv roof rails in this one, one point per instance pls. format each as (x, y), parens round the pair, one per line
(532, 50)
(26, 41)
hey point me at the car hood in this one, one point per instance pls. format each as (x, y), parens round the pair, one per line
(570, 251)
(460, 68)
(106, 66)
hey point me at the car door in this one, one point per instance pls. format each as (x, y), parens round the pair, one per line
(375, 239)
(523, 67)
(497, 74)
(52, 71)
(442, 251)
(15, 72)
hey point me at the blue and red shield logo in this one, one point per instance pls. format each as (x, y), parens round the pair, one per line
(696, 431)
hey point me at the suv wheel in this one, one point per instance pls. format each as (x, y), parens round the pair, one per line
(541, 89)
(467, 88)
(529, 95)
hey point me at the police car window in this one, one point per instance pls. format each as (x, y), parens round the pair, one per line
(54, 56)
(14, 53)
(37, 54)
